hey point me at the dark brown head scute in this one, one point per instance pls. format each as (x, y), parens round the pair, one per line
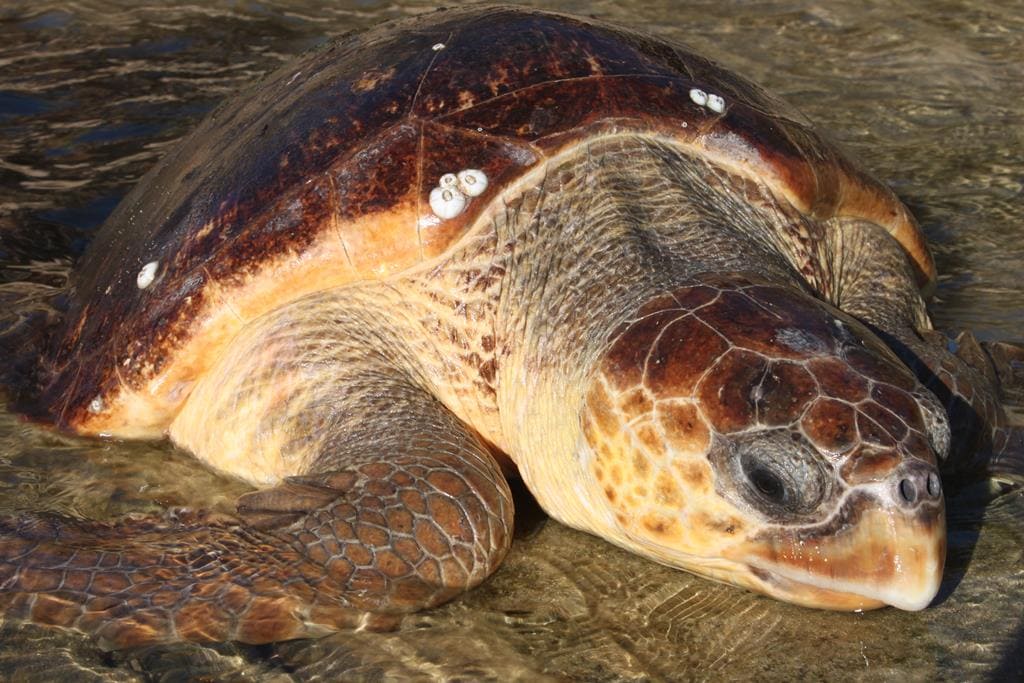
(897, 400)
(785, 389)
(728, 392)
(878, 361)
(885, 418)
(838, 379)
(683, 353)
(624, 362)
(871, 432)
(831, 425)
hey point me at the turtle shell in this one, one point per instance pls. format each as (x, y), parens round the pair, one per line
(321, 175)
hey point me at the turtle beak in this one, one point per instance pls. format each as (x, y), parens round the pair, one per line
(869, 555)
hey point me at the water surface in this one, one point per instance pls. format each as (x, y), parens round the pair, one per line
(930, 95)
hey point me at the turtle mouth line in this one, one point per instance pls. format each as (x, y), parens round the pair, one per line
(836, 594)
(808, 594)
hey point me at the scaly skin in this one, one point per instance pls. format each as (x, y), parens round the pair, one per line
(633, 327)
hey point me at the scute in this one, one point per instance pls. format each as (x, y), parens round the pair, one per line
(320, 176)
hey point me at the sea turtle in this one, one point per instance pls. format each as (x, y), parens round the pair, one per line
(498, 239)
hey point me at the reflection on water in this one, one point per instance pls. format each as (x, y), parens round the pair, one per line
(929, 94)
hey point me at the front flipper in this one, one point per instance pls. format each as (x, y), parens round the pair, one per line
(400, 508)
(335, 550)
(312, 555)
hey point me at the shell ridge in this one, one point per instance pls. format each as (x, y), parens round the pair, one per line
(552, 81)
(426, 72)
(685, 55)
(473, 133)
(224, 301)
(118, 376)
(69, 394)
(335, 223)
(420, 155)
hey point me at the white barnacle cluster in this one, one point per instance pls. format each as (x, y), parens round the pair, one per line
(453, 191)
(715, 103)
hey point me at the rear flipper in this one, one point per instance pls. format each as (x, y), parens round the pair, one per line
(376, 529)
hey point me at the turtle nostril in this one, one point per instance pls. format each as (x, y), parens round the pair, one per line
(908, 492)
(917, 484)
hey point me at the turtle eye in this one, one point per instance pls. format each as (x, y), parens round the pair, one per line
(779, 477)
(765, 482)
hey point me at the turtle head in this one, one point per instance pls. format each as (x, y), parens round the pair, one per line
(754, 434)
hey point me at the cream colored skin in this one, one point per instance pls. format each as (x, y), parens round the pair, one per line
(508, 331)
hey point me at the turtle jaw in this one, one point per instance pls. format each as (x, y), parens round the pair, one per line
(886, 557)
(807, 595)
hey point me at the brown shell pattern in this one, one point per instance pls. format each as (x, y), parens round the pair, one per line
(320, 175)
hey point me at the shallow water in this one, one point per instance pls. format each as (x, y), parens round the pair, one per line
(930, 95)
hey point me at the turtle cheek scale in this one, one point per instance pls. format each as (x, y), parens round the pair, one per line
(796, 460)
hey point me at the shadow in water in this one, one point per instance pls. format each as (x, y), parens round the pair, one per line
(965, 518)
(1011, 667)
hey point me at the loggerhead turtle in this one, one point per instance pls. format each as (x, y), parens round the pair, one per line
(489, 239)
